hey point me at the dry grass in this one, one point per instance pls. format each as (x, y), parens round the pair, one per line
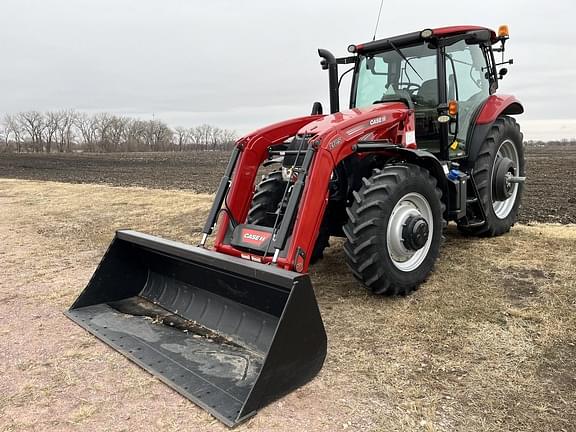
(487, 344)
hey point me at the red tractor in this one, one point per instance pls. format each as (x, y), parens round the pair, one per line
(426, 140)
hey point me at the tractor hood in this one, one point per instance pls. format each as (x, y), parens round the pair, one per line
(359, 122)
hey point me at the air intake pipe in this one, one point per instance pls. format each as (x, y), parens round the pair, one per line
(329, 62)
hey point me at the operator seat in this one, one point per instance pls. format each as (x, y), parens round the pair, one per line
(428, 93)
(426, 116)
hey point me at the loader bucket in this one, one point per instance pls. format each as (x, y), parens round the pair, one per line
(229, 334)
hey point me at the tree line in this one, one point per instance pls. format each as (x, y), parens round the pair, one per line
(561, 142)
(69, 130)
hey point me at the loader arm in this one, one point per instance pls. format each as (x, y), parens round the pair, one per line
(332, 139)
(253, 150)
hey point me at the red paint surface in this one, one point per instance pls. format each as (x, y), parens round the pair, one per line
(335, 135)
(454, 30)
(495, 106)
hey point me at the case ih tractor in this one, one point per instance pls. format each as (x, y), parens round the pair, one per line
(426, 140)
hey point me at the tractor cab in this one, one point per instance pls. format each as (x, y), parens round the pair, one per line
(445, 75)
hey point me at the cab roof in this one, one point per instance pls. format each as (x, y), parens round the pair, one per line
(455, 30)
(415, 37)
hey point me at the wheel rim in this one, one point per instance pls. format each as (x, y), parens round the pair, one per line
(503, 208)
(410, 205)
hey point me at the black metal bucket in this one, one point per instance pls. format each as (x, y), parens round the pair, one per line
(229, 334)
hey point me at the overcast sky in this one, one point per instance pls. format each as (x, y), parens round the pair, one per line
(245, 63)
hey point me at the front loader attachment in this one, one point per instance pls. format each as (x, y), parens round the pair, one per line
(229, 334)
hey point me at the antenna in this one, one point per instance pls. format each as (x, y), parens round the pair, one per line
(378, 20)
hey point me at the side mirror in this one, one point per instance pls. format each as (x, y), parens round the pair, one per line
(502, 72)
(317, 108)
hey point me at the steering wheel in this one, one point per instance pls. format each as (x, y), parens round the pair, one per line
(408, 85)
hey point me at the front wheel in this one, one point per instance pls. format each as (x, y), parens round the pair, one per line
(394, 229)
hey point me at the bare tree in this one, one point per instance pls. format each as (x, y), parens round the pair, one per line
(4, 134)
(117, 132)
(204, 132)
(65, 129)
(12, 129)
(87, 126)
(158, 135)
(182, 138)
(216, 137)
(228, 138)
(49, 129)
(196, 136)
(103, 125)
(105, 132)
(135, 135)
(32, 124)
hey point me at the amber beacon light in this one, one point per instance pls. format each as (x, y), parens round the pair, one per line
(503, 32)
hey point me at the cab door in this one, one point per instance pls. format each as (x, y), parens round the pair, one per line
(466, 83)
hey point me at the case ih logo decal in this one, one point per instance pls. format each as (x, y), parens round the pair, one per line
(372, 122)
(254, 237)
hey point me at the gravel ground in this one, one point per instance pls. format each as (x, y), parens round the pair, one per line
(486, 344)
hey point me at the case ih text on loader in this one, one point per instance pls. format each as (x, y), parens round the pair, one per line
(426, 140)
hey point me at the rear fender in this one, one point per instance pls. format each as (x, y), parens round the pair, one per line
(494, 107)
(498, 105)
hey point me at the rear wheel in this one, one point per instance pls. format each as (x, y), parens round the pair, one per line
(394, 229)
(499, 164)
(266, 204)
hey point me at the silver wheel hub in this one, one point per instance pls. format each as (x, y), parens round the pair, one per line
(409, 232)
(506, 181)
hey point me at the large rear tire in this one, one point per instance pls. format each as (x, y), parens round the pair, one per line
(266, 205)
(394, 229)
(501, 154)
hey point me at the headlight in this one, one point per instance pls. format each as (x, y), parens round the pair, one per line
(289, 175)
(286, 174)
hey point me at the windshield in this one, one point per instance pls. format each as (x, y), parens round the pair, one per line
(388, 76)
